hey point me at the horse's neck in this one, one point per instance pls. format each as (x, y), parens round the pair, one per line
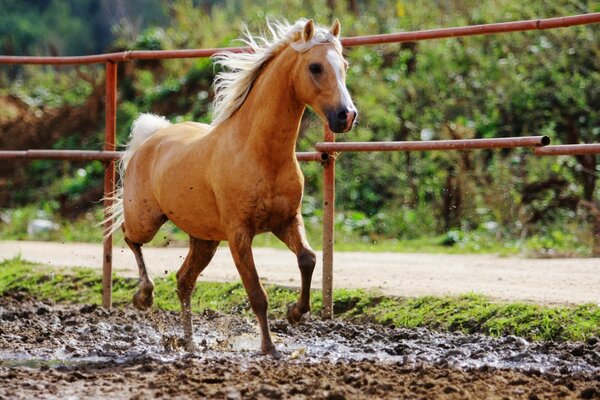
(269, 119)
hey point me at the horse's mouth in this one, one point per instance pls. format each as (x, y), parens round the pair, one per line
(341, 122)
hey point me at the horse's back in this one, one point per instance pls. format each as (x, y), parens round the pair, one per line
(164, 146)
(183, 132)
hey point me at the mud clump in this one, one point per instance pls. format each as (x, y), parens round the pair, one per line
(58, 351)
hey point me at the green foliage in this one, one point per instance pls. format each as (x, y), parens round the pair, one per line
(470, 313)
(45, 88)
(556, 241)
(71, 27)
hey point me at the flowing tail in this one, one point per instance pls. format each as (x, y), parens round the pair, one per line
(143, 127)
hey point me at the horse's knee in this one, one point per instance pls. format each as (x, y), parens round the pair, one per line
(307, 260)
(142, 221)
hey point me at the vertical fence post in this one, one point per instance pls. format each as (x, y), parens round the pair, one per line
(328, 229)
(110, 138)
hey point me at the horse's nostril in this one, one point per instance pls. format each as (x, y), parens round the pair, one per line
(342, 116)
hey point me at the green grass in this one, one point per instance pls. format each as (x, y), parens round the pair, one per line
(470, 313)
(553, 243)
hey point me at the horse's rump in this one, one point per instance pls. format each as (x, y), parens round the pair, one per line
(143, 128)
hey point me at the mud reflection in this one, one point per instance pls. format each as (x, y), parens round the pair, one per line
(38, 335)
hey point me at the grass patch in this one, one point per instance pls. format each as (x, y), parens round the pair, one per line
(469, 313)
(474, 313)
(87, 229)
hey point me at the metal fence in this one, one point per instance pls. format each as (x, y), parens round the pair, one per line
(325, 151)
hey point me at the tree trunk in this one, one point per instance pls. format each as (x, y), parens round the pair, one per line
(587, 174)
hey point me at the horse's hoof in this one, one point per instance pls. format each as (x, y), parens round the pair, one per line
(276, 355)
(142, 300)
(294, 316)
(190, 346)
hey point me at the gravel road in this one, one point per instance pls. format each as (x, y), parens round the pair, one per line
(544, 281)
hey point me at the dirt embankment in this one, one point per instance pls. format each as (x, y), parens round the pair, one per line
(52, 351)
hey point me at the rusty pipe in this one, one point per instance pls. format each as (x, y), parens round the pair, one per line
(129, 55)
(312, 156)
(515, 26)
(486, 29)
(110, 140)
(568, 149)
(425, 145)
(110, 155)
(328, 229)
(71, 155)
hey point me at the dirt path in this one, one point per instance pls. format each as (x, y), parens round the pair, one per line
(545, 281)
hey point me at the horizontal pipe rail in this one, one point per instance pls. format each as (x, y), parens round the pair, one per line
(129, 55)
(442, 33)
(312, 156)
(568, 149)
(71, 155)
(88, 155)
(426, 145)
(323, 148)
(486, 29)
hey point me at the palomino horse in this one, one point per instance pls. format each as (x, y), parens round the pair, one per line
(239, 176)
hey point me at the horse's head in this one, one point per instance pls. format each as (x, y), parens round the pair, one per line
(319, 76)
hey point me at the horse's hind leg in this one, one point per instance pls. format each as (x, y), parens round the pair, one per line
(294, 236)
(143, 218)
(144, 297)
(200, 254)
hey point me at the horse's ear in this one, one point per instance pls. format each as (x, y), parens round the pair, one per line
(308, 31)
(336, 28)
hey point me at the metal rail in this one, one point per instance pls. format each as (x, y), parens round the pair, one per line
(111, 155)
(326, 151)
(568, 149)
(442, 33)
(485, 29)
(425, 145)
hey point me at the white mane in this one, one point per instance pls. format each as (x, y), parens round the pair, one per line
(241, 69)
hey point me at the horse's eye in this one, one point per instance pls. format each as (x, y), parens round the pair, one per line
(315, 68)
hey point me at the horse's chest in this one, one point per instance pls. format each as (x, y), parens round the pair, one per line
(270, 202)
(270, 210)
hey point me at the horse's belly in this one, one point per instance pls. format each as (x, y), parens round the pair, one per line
(200, 225)
(192, 208)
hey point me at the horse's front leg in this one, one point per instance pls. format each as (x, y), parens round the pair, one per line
(294, 236)
(240, 244)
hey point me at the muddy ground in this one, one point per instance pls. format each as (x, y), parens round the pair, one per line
(58, 351)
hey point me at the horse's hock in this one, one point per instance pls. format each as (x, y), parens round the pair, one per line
(325, 151)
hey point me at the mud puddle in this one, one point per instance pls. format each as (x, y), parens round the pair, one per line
(53, 351)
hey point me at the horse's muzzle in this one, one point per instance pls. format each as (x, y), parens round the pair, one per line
(341, 120)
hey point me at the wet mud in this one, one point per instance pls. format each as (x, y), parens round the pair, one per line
(58, 351)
